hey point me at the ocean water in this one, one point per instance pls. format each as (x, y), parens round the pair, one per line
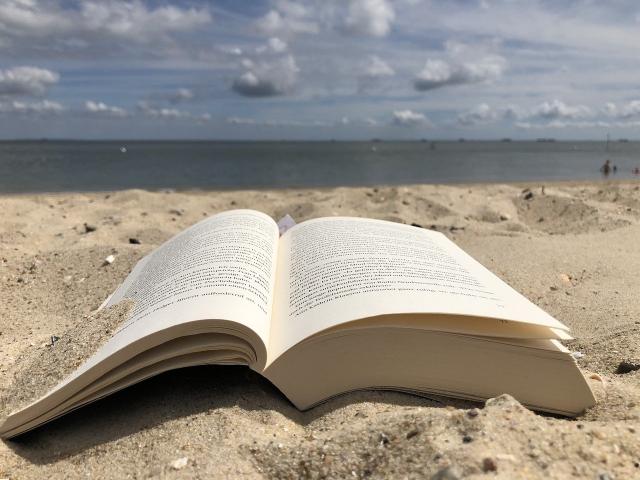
(54, 166)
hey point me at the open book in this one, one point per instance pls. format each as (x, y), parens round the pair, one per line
(334, 305)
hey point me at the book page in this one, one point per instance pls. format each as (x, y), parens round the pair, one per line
(336, 270)
(222, 268)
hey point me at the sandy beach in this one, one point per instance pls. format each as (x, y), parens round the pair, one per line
(571, 248)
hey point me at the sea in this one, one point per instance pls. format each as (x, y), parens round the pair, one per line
(58, 166)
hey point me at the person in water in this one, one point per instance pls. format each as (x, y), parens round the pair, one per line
(606, 168)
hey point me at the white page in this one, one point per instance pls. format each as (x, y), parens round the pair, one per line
(222, 268)
(336, 270)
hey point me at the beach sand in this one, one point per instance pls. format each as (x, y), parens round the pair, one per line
(572, 249)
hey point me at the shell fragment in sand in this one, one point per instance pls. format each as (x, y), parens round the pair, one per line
(179, 463)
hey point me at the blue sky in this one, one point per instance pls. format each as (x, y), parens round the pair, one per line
(341, 69)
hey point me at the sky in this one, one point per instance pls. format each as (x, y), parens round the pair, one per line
(319, 70)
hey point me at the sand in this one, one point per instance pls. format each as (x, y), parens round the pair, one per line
(573, 250)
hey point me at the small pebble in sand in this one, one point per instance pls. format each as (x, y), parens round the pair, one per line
(595, 376)
(447, 473)
(489, 465)
(412, 433)
(627, 367)
(176, 212)
(504, 217)
(527, 194)
(179, 463)
(109, 260)
(134, 241)
(88, 228)
(577, 355)
(566, 279)
(416, 225)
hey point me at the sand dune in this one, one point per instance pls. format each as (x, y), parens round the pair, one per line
(573, 250)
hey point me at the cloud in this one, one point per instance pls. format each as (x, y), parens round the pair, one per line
(267, 79)
(376, 68)
(44, 107)
(247, 121)
(102, 109)
(231, 50)
(288, 18)
(180, 95)
(273, 45)
(89, 25)
(561, 124)
(146, 109)
(369, 17)
(631, 109)
(409, 118)
(481, 114)
(554, 110)
(484, 114)
(557, 109)
(373, 71)
(31, 81)
(440, 73)
(276, 45)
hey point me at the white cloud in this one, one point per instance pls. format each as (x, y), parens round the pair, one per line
(43, 107)
(557, 109)
(26, 81)
(440, 73)
(90, 25)
(372, 72)
(170, 113)
(102, 109)
(561, 124)
(133, 19)
(409, 118)
(483, 114)
(146, 109)
(276, 45)
(180, 95)
(376, 68)
(369, 17)
(231, 50)
(610, 109)
(267, 79)
(631, 109)
(273, 45)
(275, 123)
(288, 19)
